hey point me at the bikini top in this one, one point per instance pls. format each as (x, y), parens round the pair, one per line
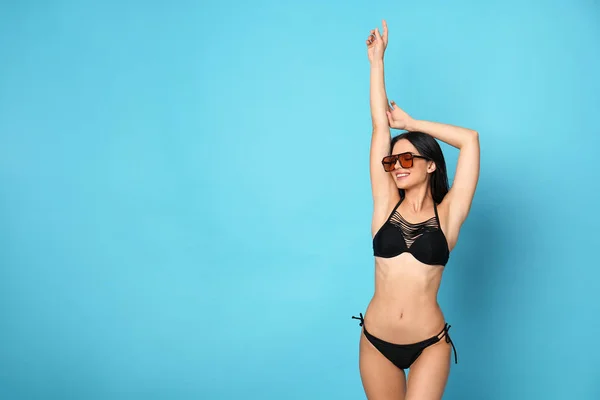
(424, 240)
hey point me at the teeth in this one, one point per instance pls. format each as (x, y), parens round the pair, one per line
(399, 175)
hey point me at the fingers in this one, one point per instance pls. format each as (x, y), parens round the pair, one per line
(371, 37)
(374, 37)
(385, 31)
(374, 34)
(377, 34)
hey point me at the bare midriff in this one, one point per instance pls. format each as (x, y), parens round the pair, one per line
(404, 307)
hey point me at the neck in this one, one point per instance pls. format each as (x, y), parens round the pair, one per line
(418, 198)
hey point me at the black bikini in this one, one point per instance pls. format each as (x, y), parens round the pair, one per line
(424, 240)
(427, 243)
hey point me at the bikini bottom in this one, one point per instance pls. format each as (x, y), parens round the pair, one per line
(403, 355)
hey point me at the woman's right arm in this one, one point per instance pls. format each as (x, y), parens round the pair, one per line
(384, 190)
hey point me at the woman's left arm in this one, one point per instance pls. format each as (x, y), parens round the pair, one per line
(459, 198)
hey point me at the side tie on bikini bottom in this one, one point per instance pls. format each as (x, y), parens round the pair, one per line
(386, 347)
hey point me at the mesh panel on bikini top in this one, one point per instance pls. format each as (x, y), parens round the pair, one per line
(410, 231)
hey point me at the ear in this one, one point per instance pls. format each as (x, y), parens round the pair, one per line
(431, 167)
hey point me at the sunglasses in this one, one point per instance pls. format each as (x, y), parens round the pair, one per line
(406, 160)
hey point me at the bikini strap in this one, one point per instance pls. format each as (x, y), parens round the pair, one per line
(362, 320)
(448, 340)
(437, 218)
(394, 209)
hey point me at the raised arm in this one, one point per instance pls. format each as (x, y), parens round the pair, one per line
(459, 198)
(384, 190)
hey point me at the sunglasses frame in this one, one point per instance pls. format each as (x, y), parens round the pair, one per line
(397, 158)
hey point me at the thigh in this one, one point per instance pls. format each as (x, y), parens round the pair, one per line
(428, 375)
(381, 379)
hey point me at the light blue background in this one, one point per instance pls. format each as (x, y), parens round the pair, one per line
(185, 205)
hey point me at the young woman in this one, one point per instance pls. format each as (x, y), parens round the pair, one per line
(416, 222)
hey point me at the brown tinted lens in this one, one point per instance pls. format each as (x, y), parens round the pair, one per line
(406, 160)
(388, 163)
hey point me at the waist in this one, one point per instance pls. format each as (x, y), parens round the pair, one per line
(404, 306)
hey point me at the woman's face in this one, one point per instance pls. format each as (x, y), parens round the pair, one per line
(416, 175)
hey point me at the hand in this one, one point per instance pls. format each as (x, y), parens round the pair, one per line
(398, 118)
(376, 43)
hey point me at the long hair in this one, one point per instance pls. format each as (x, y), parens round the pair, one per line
(430, 148)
